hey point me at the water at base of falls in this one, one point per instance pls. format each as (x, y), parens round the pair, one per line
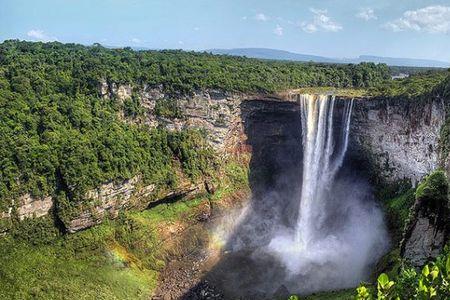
(325, 234)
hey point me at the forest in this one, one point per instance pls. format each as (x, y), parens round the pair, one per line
(59, 135)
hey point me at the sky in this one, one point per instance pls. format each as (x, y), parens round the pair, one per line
(345, 28)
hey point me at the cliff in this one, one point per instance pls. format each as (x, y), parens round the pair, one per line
(398, 138)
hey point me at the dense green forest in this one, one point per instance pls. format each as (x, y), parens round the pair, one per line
(415, 86)
(59, 136)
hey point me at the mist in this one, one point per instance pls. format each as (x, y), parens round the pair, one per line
(316, 230)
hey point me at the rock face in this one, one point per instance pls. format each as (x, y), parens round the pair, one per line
(429, 226)
(108, 200)
(33, 207)
(29, 207)
(424, 241)
(398, 136)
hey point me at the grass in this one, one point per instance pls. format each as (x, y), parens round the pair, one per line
(118, 259)
(343, 92)
(82, 266)
(170, 211)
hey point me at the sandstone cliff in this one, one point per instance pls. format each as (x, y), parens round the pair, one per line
(398, 138)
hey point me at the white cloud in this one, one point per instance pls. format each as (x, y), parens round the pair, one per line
(40, 35)
(261, 17)
(320, 22)
(278, 30)
(196, 28)
(366, 14)
(180, 42)
(136, 40)
(431, 19)
(244, 18)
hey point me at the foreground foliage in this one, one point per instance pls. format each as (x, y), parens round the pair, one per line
(403, 282)
(433, 282)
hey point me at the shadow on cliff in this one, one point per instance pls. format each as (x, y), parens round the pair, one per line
(246, 270)
(273, 130)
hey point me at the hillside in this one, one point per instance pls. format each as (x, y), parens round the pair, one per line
(116, 163)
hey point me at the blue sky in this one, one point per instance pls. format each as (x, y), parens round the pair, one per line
(345, 28)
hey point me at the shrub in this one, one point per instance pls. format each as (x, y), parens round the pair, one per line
(433, 190)
(433, 282)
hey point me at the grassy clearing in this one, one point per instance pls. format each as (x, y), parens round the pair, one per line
(83, 266)
(118, 259)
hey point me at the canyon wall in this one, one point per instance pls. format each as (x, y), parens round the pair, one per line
(397, 137)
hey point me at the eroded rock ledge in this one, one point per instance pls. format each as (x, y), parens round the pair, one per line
(398, 137)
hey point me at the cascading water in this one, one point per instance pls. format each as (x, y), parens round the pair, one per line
(314, 231)
(322, 159)
(338, 230)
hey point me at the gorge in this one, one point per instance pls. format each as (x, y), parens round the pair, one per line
(172, 186)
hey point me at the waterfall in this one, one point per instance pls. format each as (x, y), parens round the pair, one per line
(322, 158)
(325, 232)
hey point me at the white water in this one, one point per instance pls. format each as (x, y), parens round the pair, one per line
(339, 233)
(322, 159)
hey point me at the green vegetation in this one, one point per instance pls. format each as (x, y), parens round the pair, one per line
(167, 108)
(398, 210)
(87, 265)
(61, 138)
(433, 282)
(177, 71)
(397, 199)
(444, 138)
(416, 85)
(57, 142)
(118, 259)
(132, 107)
(433, 190)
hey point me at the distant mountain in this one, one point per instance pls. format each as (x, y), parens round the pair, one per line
(407, 62)
(264, 53)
